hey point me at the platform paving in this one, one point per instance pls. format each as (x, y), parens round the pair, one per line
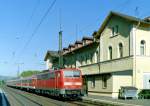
(119, 102)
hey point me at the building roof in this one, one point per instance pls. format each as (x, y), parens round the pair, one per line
(89, 44)
(78, 42)
(87, 38)
(71, 45)
(52, 54)
(147, 19)
(124, 16)
(65, 48)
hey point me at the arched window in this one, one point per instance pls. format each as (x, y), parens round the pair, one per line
(91, 58)
(120, 50)
(109, 52)
(142, 47)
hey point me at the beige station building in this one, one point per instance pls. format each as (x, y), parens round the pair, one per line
(118, 54)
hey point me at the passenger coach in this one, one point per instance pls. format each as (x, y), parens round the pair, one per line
(63, 82)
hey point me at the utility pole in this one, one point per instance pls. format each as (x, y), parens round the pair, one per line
(60, 50)
(18, 68)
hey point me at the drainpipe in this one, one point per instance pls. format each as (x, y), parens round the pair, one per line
(99, 57)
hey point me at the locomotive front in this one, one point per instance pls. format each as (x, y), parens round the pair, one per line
(72, 83)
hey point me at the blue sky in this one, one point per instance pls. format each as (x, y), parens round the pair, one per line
(19, 18)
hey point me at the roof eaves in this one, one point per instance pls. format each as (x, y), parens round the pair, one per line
(51, 53)
(87, 38)
(78, 42)
(82, 47)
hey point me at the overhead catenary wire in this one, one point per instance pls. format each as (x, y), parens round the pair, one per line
(31, 17)
(37, 27)
(26, 27)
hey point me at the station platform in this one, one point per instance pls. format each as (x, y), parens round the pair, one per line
(118, 102)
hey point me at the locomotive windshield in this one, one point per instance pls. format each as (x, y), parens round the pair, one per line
(71, 73)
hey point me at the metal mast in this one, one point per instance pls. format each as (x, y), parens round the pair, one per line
(60, 50)
(60, 43)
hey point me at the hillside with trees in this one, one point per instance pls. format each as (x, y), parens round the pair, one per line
(29, 73)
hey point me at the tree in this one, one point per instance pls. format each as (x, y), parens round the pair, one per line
(29, 73)
(2, 82)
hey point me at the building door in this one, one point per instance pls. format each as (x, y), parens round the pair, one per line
(85, 85)
(146, 81)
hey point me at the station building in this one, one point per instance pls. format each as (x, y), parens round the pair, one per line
(118, 54)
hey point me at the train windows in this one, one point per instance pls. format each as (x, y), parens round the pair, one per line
(30, 80)
(68, 73)
(71, 73)
(45, 76)
(38, 76)
(52, 75)
(76, 74)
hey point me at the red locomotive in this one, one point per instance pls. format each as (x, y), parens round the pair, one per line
(63, 83)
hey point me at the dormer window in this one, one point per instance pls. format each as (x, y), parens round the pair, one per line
(87, 40)
(115, 30)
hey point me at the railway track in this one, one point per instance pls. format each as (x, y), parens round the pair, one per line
(89, 103)
(22, 98)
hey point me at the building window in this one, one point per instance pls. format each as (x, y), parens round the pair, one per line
(109, 52)
(91, 58)
(115, 30)
(86, 59)
(97, 56)
(84, 42)
(104, 81)
(81, 60)
(120, 50)
(142, 47)
(93, 82)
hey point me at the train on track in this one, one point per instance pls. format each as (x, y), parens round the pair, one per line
(66, 83)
